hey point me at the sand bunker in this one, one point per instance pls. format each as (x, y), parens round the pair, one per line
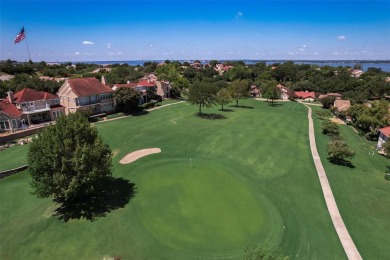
(131, 157)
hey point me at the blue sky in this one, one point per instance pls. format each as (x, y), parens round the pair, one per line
(247, 29)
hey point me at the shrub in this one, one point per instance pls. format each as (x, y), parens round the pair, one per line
(323, 114)
(330, 128)
(338, 151)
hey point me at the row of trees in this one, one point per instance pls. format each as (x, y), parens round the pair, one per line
(295, 76)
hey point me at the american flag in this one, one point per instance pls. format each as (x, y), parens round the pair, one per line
(20, 36)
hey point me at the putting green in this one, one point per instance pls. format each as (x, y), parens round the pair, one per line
(203, 209)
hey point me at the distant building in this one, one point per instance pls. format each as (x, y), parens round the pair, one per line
(384, 134)
(335, 95)
(305, 95)
(86, 94)
(341, 105)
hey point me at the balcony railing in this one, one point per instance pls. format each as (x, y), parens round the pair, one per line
(36, 108)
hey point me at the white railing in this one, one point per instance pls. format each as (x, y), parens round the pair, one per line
(36, 108)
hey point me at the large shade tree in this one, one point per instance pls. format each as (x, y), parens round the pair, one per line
(239, 89)
(126, 99)
(223, 97)
(202, 94)
(68, 161)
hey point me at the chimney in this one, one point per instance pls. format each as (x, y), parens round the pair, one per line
(103, 80)
(11, 96)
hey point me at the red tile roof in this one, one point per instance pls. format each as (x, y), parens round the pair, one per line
(27, 95)
(88, 87)
(10, 109)
(385, 131)
(128, 85)
(305, 94)
(145, 83)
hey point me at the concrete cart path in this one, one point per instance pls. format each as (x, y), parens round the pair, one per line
(346, 240)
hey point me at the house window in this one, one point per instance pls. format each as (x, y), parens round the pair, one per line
(57, 114)
(4, 125)
(107, 107)
(14, 124)
(105, 96)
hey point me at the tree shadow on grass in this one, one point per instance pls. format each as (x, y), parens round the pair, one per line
(275, 104)
(210, 116)
(140, 113)
(117, 193)
(240, 106)
(341, 162)
(226, 110)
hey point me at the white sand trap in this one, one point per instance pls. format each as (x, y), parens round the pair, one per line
(131, 157)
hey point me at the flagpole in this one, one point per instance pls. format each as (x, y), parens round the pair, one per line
(28, 49)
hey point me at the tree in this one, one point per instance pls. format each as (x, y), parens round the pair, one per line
(386, 148)
(202, 94)
(327, 102)
(270, 91)
(239, 90)
(126, 99)
(330, 128)
(223, 97)
(338, 151)
(68, 161)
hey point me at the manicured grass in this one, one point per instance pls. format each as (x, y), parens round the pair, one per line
(203, 207)
(254, 183)
(362, 193)
(12, 157)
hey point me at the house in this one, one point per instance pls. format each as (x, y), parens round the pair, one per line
(341, 105)
(86, 94)
(335, 95)
(384, 134)
(10, 117)
(305, 95)
(163, 89)
(254, 91)
(37, 106)
(283, 92)
(141, 87)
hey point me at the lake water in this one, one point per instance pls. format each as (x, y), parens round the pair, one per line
(383, 65)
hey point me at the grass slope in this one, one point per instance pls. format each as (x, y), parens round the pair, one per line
(12, 157)
(362, 193)
(267, 149)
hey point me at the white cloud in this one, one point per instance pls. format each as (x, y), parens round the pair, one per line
(304, 46)
(341, 37)
(239, 14)
(119, 53)
(108, 45)
(291, 53)
(77, 53)
(301, 49)
(88, 43)
(230, 52)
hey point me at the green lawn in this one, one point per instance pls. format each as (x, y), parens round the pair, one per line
(252, 181)
(13, 157)
(362, 193)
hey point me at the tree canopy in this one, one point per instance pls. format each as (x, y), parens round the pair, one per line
(127, 99)
(68, 161)
(202, 94)
(239, 89)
